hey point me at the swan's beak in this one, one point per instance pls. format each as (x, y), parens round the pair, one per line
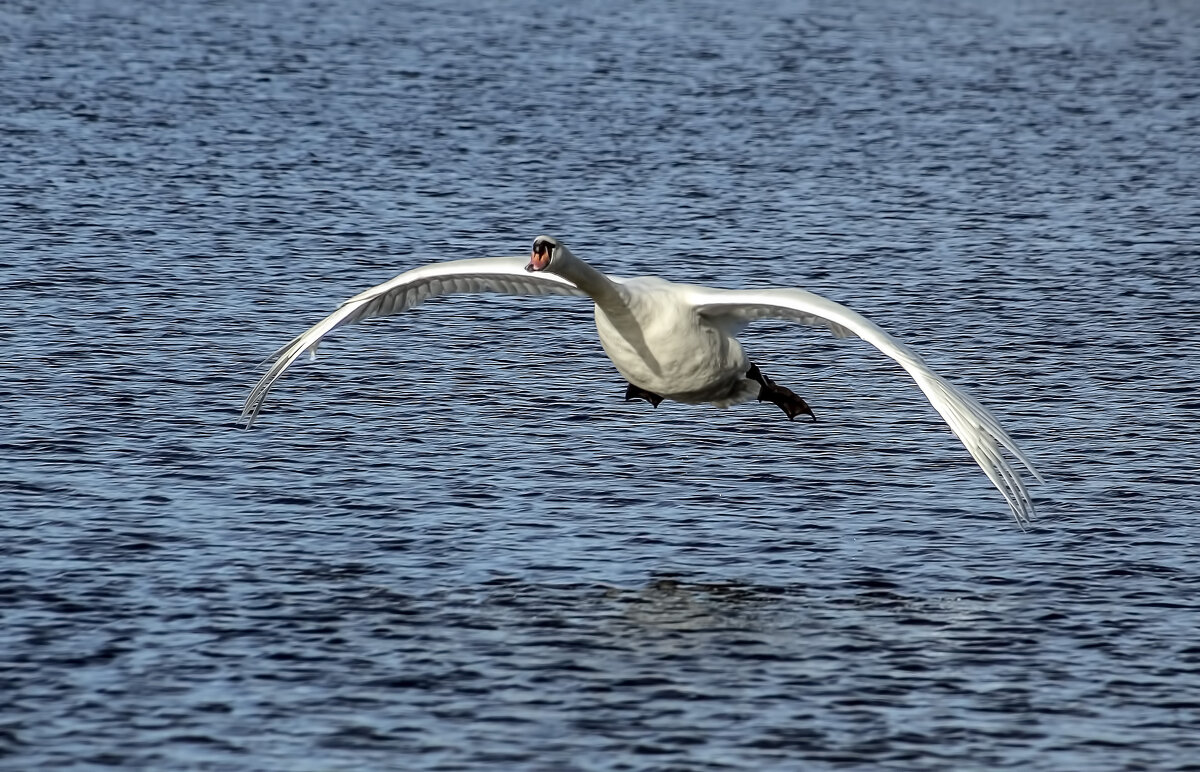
(538, 262)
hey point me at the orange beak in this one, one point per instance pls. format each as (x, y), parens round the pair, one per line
(538, 262)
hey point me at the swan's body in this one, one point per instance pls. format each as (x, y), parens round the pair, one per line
(670, 350)
(673, 341)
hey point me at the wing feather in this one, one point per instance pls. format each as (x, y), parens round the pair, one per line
(489, 274)
(971, 422)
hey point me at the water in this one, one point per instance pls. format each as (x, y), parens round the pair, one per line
(448, 544)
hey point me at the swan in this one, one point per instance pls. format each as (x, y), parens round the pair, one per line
(674, 341)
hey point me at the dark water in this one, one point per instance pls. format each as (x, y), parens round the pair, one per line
(448, 544)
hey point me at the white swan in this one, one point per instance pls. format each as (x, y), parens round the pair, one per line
(673, 341)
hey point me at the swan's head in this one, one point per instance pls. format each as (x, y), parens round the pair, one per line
(545, 250)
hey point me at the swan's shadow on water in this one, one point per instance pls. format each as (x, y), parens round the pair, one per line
(668, 602)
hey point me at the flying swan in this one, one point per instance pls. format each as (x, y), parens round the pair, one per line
(673, 341)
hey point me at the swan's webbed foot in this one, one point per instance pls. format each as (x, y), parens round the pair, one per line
(787, 400)
(637, 392)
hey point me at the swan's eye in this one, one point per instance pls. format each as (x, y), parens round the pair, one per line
(541, 248)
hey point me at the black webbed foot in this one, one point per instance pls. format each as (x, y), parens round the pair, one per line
(637, 392)
(787, 400)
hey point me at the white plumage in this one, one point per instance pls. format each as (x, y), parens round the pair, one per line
(674, 341)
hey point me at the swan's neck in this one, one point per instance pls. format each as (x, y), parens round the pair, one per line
(603, 290)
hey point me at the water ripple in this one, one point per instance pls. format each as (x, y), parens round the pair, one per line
(449, 544)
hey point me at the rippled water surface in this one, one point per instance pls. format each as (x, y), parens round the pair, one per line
(448, 543)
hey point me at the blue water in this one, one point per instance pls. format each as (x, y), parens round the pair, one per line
(448, 543)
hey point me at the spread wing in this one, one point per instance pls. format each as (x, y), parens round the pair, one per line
(970, 421)
(489, 274)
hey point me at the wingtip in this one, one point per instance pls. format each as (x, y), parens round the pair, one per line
(1024, 512)
(250, 410)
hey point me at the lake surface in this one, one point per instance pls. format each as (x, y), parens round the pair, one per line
(448, 544)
